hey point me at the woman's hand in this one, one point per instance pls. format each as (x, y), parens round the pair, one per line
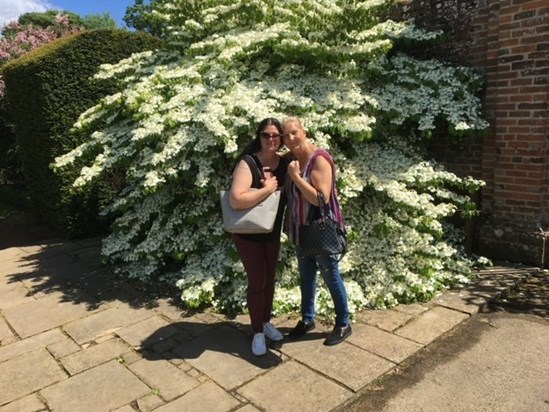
(294, 170)
(270, 183)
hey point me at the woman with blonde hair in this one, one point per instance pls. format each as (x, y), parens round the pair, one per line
(313, 172)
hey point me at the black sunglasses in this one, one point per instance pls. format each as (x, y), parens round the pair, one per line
(266, 135)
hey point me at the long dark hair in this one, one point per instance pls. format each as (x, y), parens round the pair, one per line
(255, 145)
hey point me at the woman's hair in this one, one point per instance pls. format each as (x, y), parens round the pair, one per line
(255, 145)
(293, 119)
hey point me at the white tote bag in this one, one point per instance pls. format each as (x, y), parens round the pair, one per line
(257, 219)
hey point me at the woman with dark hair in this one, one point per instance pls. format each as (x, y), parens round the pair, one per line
(260, 167)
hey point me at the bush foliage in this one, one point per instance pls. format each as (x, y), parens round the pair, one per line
(46, 90)
(181, 114)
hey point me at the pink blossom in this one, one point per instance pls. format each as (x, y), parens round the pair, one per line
(22, 39)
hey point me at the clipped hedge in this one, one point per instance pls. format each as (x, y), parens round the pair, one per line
(10, 166)
(47, 89)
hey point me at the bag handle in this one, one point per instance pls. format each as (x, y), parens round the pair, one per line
(258, 172)
(322, 206)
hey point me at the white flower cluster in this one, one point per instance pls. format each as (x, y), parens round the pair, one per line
(182, 114)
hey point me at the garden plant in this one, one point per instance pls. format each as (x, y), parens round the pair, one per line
(363, 88)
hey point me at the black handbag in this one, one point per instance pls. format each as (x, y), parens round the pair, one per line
(322, 235)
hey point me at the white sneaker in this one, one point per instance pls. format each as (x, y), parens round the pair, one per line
(272, 333)
(258, 345)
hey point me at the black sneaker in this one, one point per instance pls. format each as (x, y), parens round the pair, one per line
(338, 335)
(301, 329)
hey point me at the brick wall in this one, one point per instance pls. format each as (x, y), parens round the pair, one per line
(507, 41)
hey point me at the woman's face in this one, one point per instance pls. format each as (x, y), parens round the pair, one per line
(294, 135)
(270, 138)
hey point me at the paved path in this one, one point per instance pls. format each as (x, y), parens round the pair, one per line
(72, 339)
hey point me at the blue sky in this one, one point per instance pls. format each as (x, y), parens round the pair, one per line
(12, 9)
(116, 8)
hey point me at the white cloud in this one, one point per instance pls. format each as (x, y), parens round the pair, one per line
(12, 9)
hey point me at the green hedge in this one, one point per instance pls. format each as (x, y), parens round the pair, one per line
(47, 89)
(10, 166)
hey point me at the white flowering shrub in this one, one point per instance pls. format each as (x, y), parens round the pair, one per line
(182, 114)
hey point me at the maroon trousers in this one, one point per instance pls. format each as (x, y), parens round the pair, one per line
(259, 260)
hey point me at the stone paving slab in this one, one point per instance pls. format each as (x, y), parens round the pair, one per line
(294, 387)
(8, 282)
(10, 271)
(37, 316)
(147, 332)
(339, 362)
(103, 388)
(50, 275)
(246, 408)
(30, 344)
(207, 397)
(14, 296)
(6, 335)
(103, 322)
(223, 353)
(126, 408)
(465, 301)
(33, 371)
(63, 348)
(413, 309)
(29, 403)
(170, 381)
(149, 402)
(14, 256)
(106, 354)
(93, 356)
(386, 345)
(431, 324)
(388, 320)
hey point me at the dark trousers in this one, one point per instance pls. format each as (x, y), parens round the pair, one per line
(259, 260)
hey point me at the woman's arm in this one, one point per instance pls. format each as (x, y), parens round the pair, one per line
(241, 197)
(321, 180)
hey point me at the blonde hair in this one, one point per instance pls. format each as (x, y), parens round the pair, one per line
(295, 119)
(292, 119)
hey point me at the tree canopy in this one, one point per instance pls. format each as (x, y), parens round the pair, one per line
(49, 18)
(140, 17)
(175, 128)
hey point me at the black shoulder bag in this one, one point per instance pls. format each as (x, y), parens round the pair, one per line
(323, 235)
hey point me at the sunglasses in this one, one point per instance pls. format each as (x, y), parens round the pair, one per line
(265, 135)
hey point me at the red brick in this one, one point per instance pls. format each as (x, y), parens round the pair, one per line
(521, 82)
(507, 41)
(524, 48)
(533, 89)
(528, 182)
(520, 98)
(535, 175)
(509, 10)
(539, 97)
(519, 130)
(508, 122)
(532, 5)
(533, 39)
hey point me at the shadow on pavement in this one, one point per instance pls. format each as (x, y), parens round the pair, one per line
(191, 340)
(46, 263)
(530, 297)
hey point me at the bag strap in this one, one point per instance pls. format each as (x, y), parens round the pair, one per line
(322, 206)
(257, 173)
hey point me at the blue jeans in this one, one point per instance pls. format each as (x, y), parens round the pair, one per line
(329, 268)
